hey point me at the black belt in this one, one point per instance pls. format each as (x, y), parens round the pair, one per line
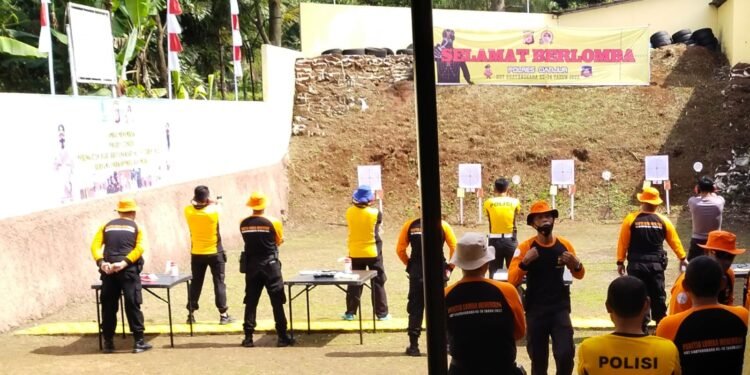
(647, 258)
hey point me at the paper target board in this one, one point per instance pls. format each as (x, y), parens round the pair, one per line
(657, 168)
(470, 176)
(93, 48)
(563, 172)
(369, 175)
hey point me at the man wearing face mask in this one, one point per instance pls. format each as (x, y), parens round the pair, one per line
(543, 259)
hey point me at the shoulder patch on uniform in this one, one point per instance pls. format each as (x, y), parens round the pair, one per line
(682, 298)
(516, 253)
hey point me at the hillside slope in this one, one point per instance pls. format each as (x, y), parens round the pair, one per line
(691, 111)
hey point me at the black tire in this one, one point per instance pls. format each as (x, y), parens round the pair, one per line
(334, 51)
(681, 34)
(703, 34)
(714, 46)
(659, 35)
(379, 52)
(682, 40)
(388, 51)
(661, 42)
(353, 51)
(405, 52)
(707, 41)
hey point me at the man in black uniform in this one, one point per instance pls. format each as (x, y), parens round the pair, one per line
(543, 259)
(411, 234)
(120, 263)
(641, 243)
(260, 261)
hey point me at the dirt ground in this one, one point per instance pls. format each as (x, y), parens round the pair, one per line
(317, 354)
(691, 111)
(308, 247)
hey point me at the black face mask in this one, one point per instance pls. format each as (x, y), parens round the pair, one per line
(545, 229)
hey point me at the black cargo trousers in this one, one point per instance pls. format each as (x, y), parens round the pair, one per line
(264, 274)
(128, 283)
(650, 268)
(198, 265)
(415, 298)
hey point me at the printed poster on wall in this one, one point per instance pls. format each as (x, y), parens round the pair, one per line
(546, 56)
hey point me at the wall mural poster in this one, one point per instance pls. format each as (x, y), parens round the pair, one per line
(122, 152)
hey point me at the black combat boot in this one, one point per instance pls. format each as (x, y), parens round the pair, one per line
(248, 340)
(285, 340)
(109, 346)
(413, 348)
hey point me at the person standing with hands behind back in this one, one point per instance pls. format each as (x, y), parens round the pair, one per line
(206, 251)
(120, 263)
(366, 251)
(543, 259)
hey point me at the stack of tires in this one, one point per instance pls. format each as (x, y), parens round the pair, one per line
(705, 37)
(379, 52)
(701, 37)
(683, 36)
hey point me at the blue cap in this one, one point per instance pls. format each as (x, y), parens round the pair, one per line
(363, 194)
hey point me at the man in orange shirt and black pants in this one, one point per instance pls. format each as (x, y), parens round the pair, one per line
(543, 259)
(206, 251)
(720, 245)
(120, 263)
(485, 317)
(709, 336)
(641, 242)
(411, 234)
(262, 234)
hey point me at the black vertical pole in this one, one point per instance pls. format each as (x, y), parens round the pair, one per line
(429, 175)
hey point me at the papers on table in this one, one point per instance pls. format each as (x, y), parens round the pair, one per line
(330, 273)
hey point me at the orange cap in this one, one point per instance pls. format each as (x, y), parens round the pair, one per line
(126, 205)
(720, 240)
(649, 195)
(257, 201)
(540, 207)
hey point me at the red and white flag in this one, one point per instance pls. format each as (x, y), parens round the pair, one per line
(236, 38)
(45, 37)
(174, 30)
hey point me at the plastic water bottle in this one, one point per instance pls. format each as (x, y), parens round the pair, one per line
(174, 272)
(347, 265)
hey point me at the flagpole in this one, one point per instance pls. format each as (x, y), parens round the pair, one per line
(169, 50)
(234, 14)
(50, 62)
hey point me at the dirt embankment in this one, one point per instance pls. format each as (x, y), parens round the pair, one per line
(360, 110)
